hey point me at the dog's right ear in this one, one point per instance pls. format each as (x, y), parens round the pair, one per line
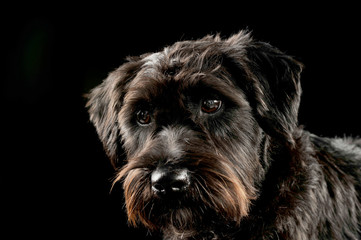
(104, 103)
(271, 82)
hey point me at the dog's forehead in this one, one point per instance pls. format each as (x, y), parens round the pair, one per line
(183, 64)
(180, 68)
(198, 55)
(163, 63)
(153, 61)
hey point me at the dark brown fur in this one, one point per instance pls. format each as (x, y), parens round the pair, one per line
(254, 173)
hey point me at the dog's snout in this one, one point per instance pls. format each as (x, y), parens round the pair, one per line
(166, 181)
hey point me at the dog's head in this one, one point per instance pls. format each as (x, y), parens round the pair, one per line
(186, 125)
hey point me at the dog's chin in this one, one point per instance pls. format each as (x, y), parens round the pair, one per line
(176, 211)
(194, 222)
(184, 216)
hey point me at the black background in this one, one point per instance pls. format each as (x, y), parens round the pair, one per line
(55, 176)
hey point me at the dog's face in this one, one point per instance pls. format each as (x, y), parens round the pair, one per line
(186, 127)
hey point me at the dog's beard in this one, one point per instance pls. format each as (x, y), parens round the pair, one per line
(216, 193)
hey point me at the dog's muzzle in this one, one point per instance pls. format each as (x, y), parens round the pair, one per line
(168, 182)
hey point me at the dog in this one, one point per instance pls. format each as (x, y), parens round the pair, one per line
(205, 139)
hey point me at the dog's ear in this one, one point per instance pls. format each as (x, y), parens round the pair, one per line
(104, 103)
(271, 81)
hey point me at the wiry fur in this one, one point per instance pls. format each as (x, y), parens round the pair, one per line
(255, 174)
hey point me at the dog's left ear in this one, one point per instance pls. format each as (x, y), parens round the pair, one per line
(271, 81)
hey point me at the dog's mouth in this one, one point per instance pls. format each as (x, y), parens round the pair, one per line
(181, 213)
(186, 210)
(175, 199)
(182, 197)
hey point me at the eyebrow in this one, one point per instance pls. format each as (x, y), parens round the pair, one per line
(218, 85)
(149, 90)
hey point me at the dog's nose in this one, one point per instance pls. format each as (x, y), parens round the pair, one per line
(166, 181)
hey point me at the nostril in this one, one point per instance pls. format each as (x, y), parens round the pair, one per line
(158, 188)
(159, 180)
(180, 181)
(180, 185)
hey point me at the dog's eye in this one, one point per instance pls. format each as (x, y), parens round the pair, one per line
(211, 105)
(143, 117)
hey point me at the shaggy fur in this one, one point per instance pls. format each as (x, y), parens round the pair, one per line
(224, 113)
